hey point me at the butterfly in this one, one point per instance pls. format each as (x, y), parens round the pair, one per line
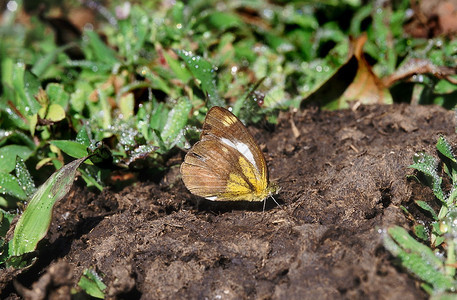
(226, 164)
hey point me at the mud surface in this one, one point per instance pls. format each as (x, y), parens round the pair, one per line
(343, 178)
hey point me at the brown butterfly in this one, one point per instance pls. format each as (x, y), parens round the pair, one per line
(226, 164)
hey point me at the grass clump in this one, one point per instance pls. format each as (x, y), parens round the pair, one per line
(430, 253)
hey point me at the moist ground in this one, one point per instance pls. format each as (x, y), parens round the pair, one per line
(343, 177)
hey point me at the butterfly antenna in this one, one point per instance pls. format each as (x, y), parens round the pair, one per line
(265, 202)
(276, 201)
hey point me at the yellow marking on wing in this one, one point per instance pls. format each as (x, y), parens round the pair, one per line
(237, 185)
(248, 171)
(229, 120)
(252, 174)
(238, 188)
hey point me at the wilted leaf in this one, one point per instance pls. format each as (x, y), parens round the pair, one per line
(366, 88)
(416, 66)
(354, 80)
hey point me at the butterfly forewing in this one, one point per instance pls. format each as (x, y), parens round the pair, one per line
(226, 164)
(224, 126)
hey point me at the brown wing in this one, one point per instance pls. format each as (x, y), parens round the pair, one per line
(213, 167)
(207, 167)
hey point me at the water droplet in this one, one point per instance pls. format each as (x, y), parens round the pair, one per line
(268, 13)
(11, 6)
(89, 27)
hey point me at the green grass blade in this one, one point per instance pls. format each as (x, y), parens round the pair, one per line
(72, 148)
(34, 222)
(44, 62)
(100, 50)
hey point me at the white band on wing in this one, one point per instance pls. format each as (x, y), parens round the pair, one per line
(243, 149)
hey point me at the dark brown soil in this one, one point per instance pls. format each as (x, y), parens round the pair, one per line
(343, 178)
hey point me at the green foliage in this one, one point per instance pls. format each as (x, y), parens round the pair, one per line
(91, 283)
(434, 262)
(144, 80)
(203, 71)
(418, 259)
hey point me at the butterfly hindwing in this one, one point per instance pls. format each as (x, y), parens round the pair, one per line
(207, 171)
